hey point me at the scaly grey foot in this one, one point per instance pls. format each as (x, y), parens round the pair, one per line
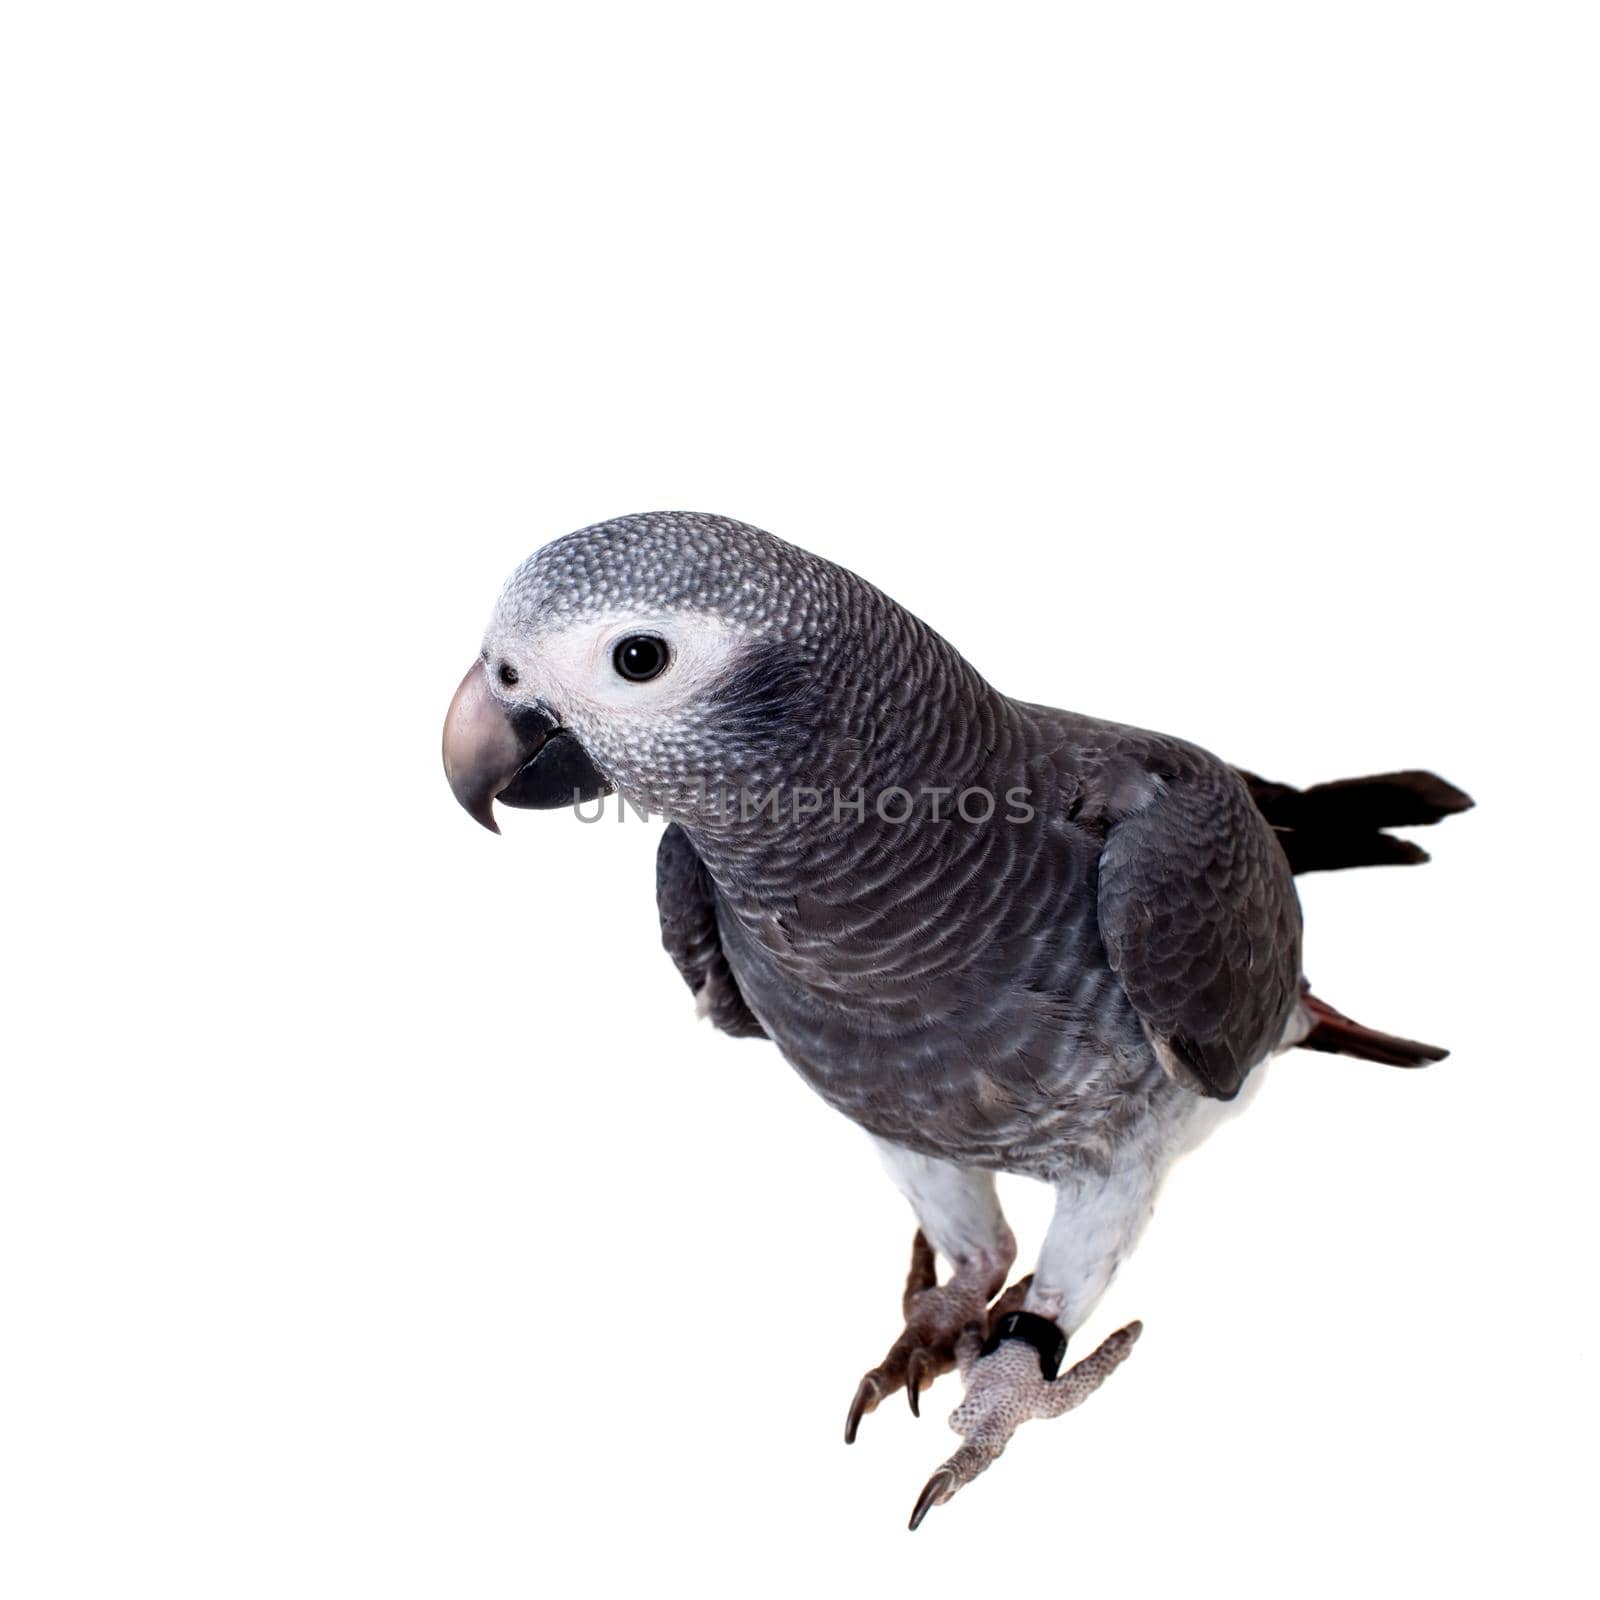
(1005, 1389)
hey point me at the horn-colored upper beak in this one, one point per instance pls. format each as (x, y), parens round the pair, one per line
(483, 752)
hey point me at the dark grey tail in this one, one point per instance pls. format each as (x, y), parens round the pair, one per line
(1333, 825)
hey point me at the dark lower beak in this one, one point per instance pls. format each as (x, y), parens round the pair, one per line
(518, 755)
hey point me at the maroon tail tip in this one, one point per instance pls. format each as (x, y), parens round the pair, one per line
(1338, 1034)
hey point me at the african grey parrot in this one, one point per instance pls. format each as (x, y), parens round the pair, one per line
(998, 936)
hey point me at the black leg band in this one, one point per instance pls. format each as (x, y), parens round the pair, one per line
(1031, 1328)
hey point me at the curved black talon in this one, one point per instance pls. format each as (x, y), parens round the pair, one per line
(867, 1395)
(914, 1370)
(1028, 1326)
(934, 1492)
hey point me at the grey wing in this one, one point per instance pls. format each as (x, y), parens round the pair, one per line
(1200, 922)
(687, 901)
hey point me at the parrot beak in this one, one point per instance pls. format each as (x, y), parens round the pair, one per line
(518, 755)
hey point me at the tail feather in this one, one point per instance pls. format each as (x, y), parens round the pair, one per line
(1341, 824)
(1338, 1034)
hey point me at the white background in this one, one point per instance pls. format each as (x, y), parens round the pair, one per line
(375, 1219)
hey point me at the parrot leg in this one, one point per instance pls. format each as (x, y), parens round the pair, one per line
(1012, 1378)
(935, 1316)
(959, 1216)
(1005, 1389)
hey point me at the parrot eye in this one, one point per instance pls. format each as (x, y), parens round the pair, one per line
(508, 675)
(640, 657)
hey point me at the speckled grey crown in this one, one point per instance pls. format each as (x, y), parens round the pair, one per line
(682, 561)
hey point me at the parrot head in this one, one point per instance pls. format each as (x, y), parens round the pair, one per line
(656, 655)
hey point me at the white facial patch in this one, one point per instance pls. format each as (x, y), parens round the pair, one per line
(572, 667)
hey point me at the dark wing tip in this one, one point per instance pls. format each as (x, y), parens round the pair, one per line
(1408, 799)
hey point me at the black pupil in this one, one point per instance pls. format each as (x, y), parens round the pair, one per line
(640, 658)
